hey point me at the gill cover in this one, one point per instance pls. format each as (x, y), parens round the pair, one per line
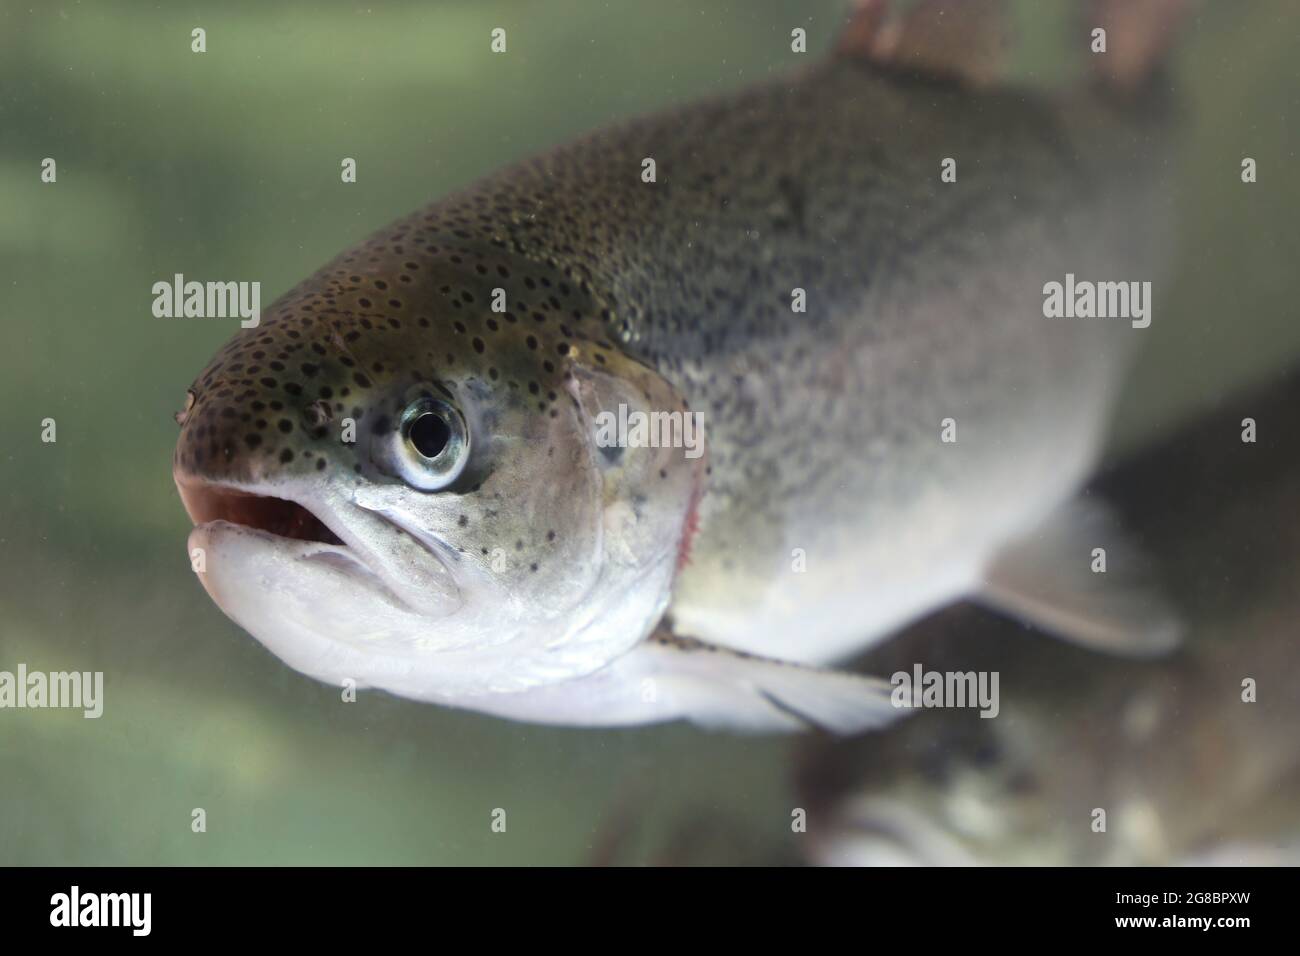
(653, 470)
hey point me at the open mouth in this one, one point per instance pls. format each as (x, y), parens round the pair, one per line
(277, 516)
(377, 553)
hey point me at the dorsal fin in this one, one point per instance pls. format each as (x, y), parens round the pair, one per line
(965, 40)
(1138, 33)
(861, 34)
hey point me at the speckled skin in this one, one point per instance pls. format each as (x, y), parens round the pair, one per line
(924, 302)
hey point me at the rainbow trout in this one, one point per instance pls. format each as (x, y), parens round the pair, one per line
(1192, 758)
(660, 423)
(1184, 763)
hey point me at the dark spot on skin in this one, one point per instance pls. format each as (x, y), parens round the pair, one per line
(286, 456)
(795, 204)
(252, 440)
(361, 379)
(285, 425)
(462, 521)
(317, 414)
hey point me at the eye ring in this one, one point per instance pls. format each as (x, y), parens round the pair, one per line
(430, 446)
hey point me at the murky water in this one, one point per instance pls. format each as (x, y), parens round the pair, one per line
(227, 163)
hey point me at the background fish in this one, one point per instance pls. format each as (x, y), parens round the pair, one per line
(474, 546)
(1186, 770)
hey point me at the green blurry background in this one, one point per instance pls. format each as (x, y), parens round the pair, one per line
(225, 165)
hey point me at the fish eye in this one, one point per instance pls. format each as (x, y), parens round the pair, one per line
(430, 446)
(429, 434)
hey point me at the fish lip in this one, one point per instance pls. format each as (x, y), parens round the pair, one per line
(201, 497)
(306, 549)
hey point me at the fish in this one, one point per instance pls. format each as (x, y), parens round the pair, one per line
(402, 478)
(1157, 764)
(1162, 763)
(1188, 759)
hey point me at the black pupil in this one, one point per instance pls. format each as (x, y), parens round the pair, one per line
(429, 434)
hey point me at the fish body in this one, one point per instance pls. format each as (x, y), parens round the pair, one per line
(798, 275)
(835, 511)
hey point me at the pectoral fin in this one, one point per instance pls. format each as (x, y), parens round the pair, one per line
(1079, 577)
(666, 677)
(717, 687)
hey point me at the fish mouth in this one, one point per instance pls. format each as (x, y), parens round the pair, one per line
(326, 531)
(278, 517)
